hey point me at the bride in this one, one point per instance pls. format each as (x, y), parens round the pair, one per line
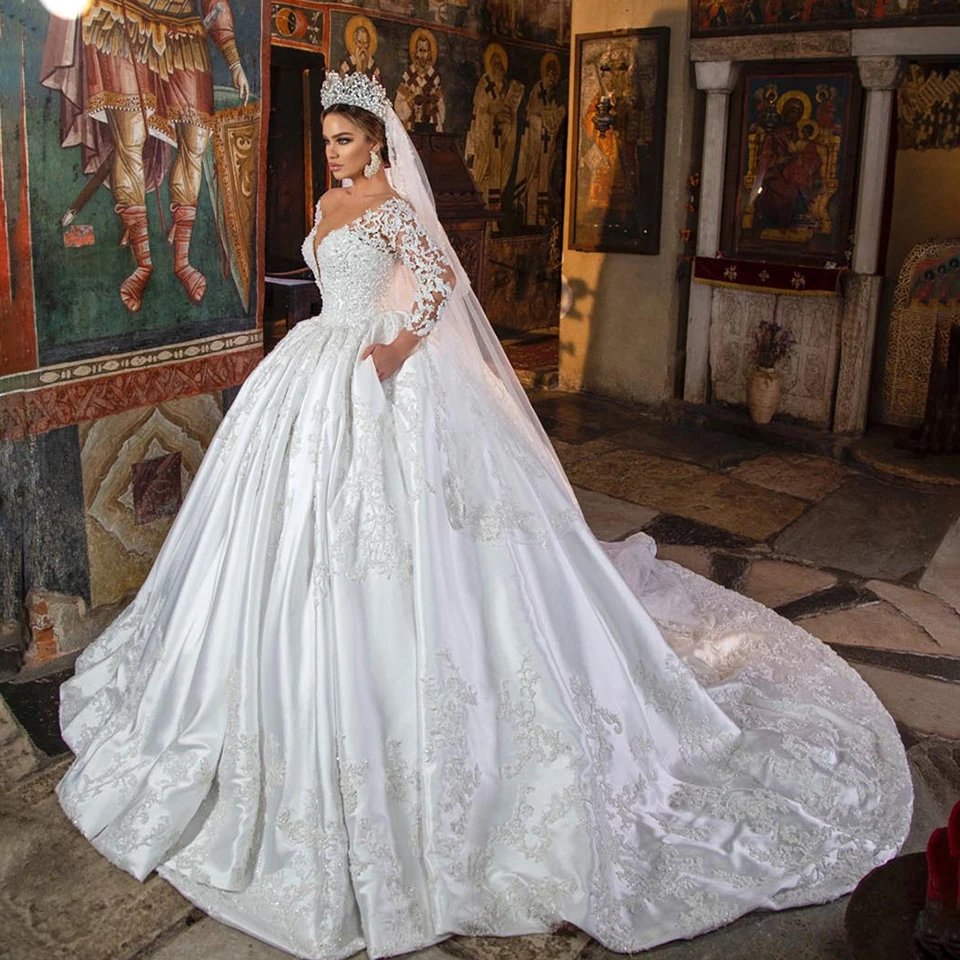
(383, 686)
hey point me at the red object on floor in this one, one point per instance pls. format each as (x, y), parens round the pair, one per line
(953, 830)
(941, 869)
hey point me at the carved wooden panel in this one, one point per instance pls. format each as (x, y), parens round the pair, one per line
(468, 244)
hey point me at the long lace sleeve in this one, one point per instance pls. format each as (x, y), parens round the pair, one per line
(434, 276)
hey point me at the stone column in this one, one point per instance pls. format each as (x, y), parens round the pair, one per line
(879, 76)
(718, 78)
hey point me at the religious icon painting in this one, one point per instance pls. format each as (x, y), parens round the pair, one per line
(791, 165)
(620, 102)
(419, 101)
(361, 40)
(492, 138)
(543, 128)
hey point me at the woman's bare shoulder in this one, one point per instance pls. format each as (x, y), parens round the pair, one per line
(331, 200)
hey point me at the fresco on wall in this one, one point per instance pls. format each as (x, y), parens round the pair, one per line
(419, 102)
(18, 334)
(721, 17)
(492, 137)
(543, 128)
(504, 101)
(541, 21)
(137, 466)
(140, 173)
(928, 108)
(360, 40)
(502, 97)
(295, 27)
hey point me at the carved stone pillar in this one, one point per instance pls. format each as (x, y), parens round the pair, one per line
(717, 78)
(879, 76)
(858, 326)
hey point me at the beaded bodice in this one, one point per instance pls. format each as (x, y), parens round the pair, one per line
(354, 265)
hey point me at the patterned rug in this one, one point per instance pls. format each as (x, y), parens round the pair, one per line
(540, 354)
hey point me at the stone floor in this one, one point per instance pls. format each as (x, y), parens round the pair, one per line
(870, 563)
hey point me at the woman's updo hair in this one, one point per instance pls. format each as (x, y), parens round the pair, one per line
(366, 122)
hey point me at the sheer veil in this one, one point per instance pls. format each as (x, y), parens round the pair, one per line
(464, 332)
(464, 327)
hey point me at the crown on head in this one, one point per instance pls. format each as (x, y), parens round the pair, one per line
(356, 89)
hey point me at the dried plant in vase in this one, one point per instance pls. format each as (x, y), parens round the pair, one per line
(772, 345)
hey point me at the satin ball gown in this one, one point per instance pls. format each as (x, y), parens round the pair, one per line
(383, 685)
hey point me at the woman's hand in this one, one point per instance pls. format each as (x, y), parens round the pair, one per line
(388, 358)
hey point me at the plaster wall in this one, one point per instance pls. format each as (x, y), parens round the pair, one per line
(926, 202)
(620, 336)
(926, 206)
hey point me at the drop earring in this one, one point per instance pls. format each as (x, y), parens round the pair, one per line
(370, 170)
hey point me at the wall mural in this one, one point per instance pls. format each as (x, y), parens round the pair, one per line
(419, 102)
(129, 170)
(495, 75)
(928, 108)
(540, 21)
(141, 120)
(792, 164)
(720, 17)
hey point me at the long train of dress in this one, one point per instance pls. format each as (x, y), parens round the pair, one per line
(383, 685)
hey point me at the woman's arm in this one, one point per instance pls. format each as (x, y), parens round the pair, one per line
(435, 281)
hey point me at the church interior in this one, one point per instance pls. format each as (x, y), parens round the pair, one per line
(719, 241)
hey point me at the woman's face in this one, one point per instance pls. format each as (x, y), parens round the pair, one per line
(347, 147)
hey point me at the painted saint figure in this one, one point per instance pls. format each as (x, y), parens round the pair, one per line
(612, 126)
(538, 146)
(492, 138)
(788, 169)
(419, 102)
(505, 16)
(383, 685)
(360, 37)
(135, 80)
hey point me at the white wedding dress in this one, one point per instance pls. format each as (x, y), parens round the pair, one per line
(383, 685)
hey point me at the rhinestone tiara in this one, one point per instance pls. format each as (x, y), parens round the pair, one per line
(357, 90)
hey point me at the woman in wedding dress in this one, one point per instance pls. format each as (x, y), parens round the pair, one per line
(383, 685)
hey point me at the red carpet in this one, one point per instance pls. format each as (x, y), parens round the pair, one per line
(535, 355)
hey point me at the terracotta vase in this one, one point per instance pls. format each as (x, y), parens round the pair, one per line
(763, 394)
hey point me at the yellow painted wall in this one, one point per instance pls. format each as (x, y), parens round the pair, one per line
(620, 336)
(926, 206)
(926, 202)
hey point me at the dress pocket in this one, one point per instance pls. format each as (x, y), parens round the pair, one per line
(367, 388)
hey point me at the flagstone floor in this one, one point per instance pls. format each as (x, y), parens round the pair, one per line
(868, 562)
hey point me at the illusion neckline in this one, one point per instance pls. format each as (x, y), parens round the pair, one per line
(350, 223)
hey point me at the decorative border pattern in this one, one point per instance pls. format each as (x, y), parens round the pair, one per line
(30, 412)
(135, 360)
(913, 330)
(300, 24)
(762, 277)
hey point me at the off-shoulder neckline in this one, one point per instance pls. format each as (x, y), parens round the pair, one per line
(395, 198)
